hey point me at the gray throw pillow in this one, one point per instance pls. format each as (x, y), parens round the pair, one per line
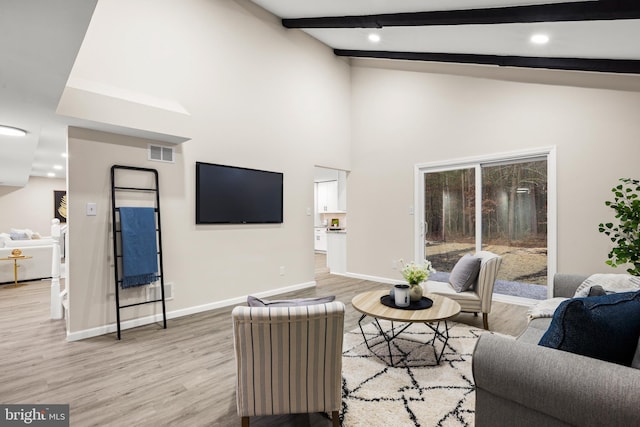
(596, 291)
(465, 273)
(261, 302)
(19, 236)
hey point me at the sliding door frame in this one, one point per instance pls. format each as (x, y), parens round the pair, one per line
(477, 162)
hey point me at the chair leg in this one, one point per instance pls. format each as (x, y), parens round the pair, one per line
(485, 320)
(335, 418)
(245, 421)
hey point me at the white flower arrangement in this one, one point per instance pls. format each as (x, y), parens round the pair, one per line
(416, 273)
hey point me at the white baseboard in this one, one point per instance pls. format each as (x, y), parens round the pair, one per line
(372, 278)
(134, 323)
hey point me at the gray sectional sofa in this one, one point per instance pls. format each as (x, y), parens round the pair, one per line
(519, 383)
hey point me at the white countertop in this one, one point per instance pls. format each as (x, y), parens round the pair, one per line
(340, 231)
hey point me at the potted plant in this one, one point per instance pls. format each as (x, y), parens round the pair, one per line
(415, 274)
(625, 234)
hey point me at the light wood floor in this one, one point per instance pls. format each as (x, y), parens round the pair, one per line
(180, 376)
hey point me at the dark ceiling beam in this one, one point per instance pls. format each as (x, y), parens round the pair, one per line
(555, 12)
(622, 66)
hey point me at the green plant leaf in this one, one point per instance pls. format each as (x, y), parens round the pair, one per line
(626, 234)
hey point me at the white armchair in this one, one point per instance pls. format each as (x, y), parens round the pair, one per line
(478, 298)
(288, 359)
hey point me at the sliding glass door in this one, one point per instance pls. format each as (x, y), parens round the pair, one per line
(449, 216)
(514, 220)
(499, 205)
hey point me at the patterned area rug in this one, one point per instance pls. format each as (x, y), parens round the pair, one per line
(375, 394)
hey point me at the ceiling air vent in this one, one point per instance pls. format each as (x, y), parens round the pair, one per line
(159, 153)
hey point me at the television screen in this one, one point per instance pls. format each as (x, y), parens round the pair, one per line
(234, 195)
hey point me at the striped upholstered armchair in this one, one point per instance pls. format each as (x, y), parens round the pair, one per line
(478, 298)
(288, 359)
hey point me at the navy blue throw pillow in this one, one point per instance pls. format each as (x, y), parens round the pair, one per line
(603, 327)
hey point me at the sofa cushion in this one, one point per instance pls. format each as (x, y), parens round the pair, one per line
(261, 302)
(535, 330)
(605, 327)
(464, 273)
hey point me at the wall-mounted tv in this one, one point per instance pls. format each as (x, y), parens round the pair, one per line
(234, 195)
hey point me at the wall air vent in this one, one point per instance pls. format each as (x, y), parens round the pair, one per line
(158, 153)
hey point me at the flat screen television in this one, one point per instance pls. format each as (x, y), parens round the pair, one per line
(234, 195)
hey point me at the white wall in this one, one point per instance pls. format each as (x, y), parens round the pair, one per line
(265, 97)
(260, 96)
(402, 118)
(30, 206)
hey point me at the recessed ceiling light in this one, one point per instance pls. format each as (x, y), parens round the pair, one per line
(63, 155)
(57, 167)
(539, 38)
(51, 174)
(374, 38)
(11, 131)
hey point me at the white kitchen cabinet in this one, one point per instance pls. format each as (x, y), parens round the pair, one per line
(327, 196)
(320, 239)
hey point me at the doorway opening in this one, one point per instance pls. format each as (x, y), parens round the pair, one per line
(330, 219)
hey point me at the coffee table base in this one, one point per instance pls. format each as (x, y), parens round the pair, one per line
(441, 335)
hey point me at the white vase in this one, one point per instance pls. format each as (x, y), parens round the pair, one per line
(415, 292)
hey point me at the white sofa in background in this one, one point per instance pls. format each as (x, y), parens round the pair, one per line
(37, 267)
(21, 244)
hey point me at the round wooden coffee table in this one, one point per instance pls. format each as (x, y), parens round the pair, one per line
(443, 308)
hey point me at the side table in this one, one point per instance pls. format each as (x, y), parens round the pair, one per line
(15, 266)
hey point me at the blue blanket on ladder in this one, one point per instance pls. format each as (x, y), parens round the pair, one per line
(139, 248)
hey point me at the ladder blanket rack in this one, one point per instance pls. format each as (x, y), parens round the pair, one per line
(137, 235)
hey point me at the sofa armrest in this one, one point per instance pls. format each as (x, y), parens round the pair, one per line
(565, 285)
(573, 389)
